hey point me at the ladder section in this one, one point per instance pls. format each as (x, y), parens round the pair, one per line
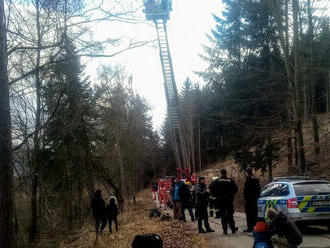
(171, 95)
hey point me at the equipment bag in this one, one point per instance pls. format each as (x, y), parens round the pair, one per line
(147, 241)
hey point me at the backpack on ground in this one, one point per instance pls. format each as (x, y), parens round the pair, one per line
(154, 213)
(147, 241)
(165, 217)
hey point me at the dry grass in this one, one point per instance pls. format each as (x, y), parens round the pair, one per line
(135, 221)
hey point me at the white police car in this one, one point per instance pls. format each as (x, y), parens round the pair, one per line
(305, 201)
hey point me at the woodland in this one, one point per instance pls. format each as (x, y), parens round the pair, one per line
(266, 98)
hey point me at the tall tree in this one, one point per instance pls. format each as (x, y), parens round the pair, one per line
(6, 165)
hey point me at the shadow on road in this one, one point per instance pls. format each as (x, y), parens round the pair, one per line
(314, 230)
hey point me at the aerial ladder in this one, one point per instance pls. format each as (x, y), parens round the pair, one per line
(158, 11)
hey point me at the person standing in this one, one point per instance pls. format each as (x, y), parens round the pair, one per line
(177, 201)
(112, 214)
(186, 198)
(99, 214)
(202, 195)
(214, 210)
(251, 195)
(227, 188)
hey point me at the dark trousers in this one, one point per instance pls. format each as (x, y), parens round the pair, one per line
(212, 206)
(177, 210)
(187, 206)
(100, 223)
(201, 214)
(206, 223)
(251, 211)
(227, 215)
(114, 219)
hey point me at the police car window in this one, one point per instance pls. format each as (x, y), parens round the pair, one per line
(282, 190)
(275, 189)
(312, 188)
(265, 191)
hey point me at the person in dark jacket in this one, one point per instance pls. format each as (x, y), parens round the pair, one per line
(112, 214)
(227, 188)
(288, 233)
(251, 195)
(262, 236)
(186, 198)
(98, 208)
(202, 195)
(214, 203)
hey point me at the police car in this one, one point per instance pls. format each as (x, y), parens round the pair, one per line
(305, 201)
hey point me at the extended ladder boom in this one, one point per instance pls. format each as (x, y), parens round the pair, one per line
(171, 94)
(158, 11)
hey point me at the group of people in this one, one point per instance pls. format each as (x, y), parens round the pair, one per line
(220, 196)
(220, 193)
(103, 213)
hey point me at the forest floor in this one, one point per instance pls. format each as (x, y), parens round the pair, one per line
(135, 220)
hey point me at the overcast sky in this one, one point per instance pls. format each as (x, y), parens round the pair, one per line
(189, 22)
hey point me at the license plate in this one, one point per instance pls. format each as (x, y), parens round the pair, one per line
(321, 203)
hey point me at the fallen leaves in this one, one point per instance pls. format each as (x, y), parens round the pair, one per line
(135, 221)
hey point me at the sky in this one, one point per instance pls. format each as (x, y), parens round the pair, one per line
(189, 23)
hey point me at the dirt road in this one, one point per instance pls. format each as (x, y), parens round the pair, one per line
(313, 237)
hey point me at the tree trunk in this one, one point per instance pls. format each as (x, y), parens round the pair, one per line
(328, 92)
(296, 107)
(199, 145)
(192, 144)
(121, 169)
(289, 150)
(36, 140)
(292, 73)
(301, 149)
(7, 220)
(316, 136)
(296, 157)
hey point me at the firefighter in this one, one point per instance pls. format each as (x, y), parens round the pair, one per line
(213, 198)
(251, 195)
(226, 190)
(202, 195)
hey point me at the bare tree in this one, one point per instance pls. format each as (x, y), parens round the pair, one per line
(7, 237)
